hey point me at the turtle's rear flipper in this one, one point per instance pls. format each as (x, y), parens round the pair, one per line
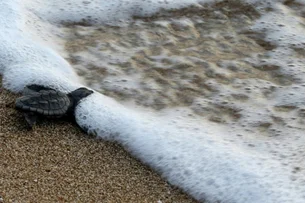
(31, 118)
(34, 89)
(10, 104)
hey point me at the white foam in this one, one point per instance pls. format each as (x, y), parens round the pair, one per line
(24, 61)
(283, 27)
(210, 161)
(208, 166)
(100, 11)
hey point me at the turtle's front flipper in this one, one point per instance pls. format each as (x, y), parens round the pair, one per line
(31, 118)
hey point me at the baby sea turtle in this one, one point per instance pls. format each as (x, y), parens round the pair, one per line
(37, 101)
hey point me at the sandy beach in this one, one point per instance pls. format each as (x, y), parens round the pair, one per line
(57, 162)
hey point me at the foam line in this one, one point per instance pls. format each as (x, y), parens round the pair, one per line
(203, 164)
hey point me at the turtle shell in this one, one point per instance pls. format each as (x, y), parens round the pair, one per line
(44, 102)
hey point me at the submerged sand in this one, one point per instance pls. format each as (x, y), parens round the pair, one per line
(57, 162)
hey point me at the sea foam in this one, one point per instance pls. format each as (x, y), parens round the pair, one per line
(210, 161)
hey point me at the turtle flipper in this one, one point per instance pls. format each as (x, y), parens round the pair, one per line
(34, 89)
(31, 118)
(10, 104)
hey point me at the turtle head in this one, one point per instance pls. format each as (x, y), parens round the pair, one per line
(79, 94)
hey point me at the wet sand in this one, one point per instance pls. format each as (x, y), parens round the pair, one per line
(57, 162)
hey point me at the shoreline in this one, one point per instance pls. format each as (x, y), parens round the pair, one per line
(57, 162)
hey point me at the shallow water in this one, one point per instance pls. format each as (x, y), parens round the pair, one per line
(207, 59)
(210, 95)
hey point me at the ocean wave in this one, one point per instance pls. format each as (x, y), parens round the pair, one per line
(254, 154)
